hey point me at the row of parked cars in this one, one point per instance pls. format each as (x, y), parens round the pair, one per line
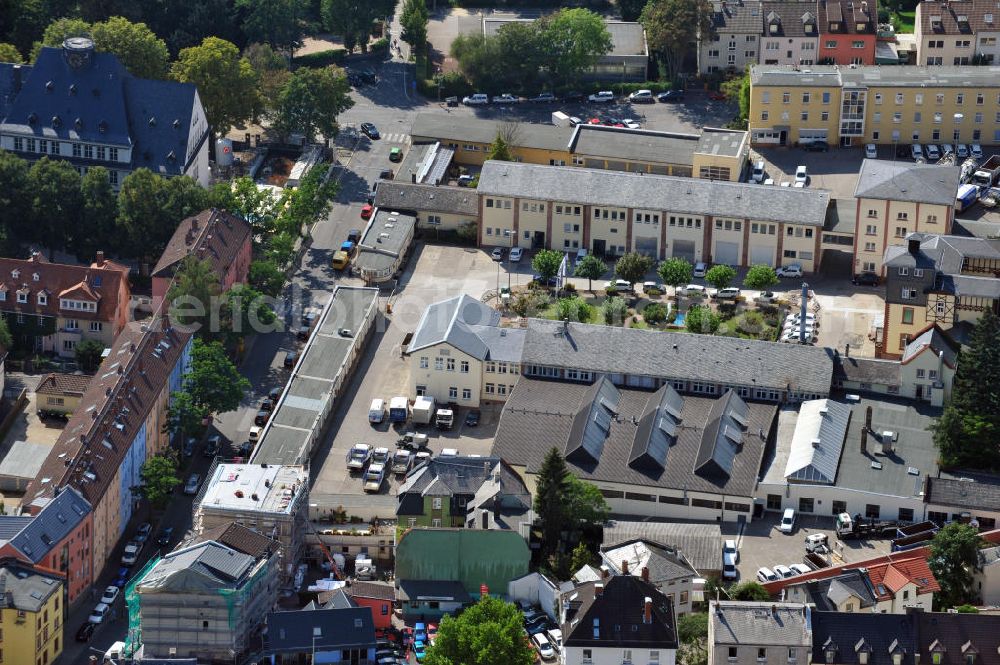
(932, 152)
(544, 634)
(600, 97)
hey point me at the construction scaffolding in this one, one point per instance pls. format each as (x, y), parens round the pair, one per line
(134, 638)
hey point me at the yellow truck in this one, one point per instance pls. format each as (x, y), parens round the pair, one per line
(341, 259)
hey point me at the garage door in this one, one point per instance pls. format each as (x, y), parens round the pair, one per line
(684, 249)
(761, 255)
(646, 246)
(726, 252)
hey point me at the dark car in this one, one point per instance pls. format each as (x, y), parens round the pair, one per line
(261, 418)
(86, 632)
(472, 418)
(816, 146)
(189, 446)
(142, 534)
(671, 96)
(267, 404)
(274, 394)
(121, 579)
(290, 358)
(866, 279)
(386, 174)
(370, 130)
(165, 536)
(245, 449)
(574, 96)
(358, 77)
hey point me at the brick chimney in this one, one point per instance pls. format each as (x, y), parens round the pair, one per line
(598, 590)
(647, 610)
(99, 258)
(645, 574)
(625, 567)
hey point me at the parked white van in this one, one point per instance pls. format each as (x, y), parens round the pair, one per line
(757, 174)
(376, 412)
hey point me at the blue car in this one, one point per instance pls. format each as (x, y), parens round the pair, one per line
(420, 632)
(420, 651)
(122, 579)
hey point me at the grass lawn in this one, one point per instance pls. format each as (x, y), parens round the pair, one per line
(904, 21)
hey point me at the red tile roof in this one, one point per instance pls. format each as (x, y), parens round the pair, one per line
(99, 283)
(212, 234)
(63, 384)
(894, 576)
(113, 409)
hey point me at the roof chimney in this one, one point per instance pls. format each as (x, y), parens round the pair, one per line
(913, 244)
(604, 572)
(99, 258)
(598, 590)
(625, 567)
(17, 78)
(647, 610)
(645, 574)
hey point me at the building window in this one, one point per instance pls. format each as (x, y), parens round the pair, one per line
(423, 362)
(491, 388)
(908, 315)
(453, 392)
(761, 654)
(908, 294)
(439, 364)
(805, 504)
(464, 367)
(774, 502)
(872, 511)
(466, 393)
(451, 364)
(733, 653)
(838, 507)
(906, 514)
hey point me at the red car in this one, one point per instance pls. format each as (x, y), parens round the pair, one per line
(594, 121)
(366, 211)
(716, 96)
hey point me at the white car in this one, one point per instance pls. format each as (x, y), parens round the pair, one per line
(793, 320)
(699, 269)
(619, 286)
(642, 97)
(801, 174)
(792, 337)
(933, 153)
(98, 614)
(693, 290)
(729, 571)
(602, 97)
(728, 293)
(505, 98)
(800, 568)
(871, 152)
(976, 150)
(193, 481)
(131, 554)
(784, 572)
(544, 647)
(515, 255)
(791, 270)
(497, 254)
(729, 547)
(449, 452)
(962, 150)
(946, 149)
(478, 99)
(917, 151)
(787, 521)
(765, 574)
(631, 124)
(110, 595)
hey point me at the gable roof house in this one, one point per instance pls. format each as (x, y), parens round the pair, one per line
(663, 567)
(791, 33)
(216, 236)
(82, 106)
(732, 23)
(745, 633)
(59, 393)
(475, 492)
(51, 307)
(338, 632)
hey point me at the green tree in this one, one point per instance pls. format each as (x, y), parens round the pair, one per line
(246, 310)
(266, 278)
(272, 73)
(56, 202)
(760, 277)
(967, 609)
(143, 53)
(673, 28)
(227, 84)
(311, 100)
(969, 427)
(96, 227)
(630, 10)
(585, 504)
(550, 506)
(184, 417)
(193, 293)
(414, 20)
(749, 590)
(953, 557)
(576, 39)
(590, 268)
(275, 22)
(159, 478)
(491, 632)
(23, 21)
(615, 310)
(675, 272)
(692, 626)
(546, 264)
(88, 354)
(581, 557)
(6, 339)
(720, 276)
(16, 199)
(738, 90)
(150, 208)
(633, 266)
(352, 19)
(213, 381)
(500, 150)
(700, 319)
(258, 207)
(9, 53)
(573, 309)
(654, 312)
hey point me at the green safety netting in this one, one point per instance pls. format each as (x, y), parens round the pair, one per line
(132, 599)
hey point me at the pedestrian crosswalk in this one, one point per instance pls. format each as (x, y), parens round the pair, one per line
(399, 137)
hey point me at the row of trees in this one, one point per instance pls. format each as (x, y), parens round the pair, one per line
(554, 50)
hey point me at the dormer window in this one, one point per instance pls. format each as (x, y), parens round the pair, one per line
(987, 18)
(43, 299)
(34, 277)
(22, 296)
(774, 28)
(861, 27)
(962, 18)
(834, 26)
(16, 274)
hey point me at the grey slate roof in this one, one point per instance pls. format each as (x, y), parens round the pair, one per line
(866, 370)
(614, 618)
(459, 475)
(204, 567)
(387, 235)
(738, 18)
(958, 636)
(25, 589)
(654, 192)
(717, 141)
(827, 593)
(549, 411)
(793, 17)
(842, 216)
(444, 128)
(302, 631)
(53, 523)
(937, 341)
(670, 355)
(981, 493)
(907, 181)
(663, 563)
(427, 198)
(848, 633)
(698, 543)
(467, 324)
(759, 624)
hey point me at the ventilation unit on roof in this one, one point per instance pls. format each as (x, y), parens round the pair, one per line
(877, 466)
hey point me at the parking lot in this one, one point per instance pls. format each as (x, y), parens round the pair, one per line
(762, 545)
(835, 170)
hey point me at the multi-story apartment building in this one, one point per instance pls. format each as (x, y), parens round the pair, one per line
(80, 105)
(744, 633)
(895, 199)
(216, 236)
(959, 32)
(270, 499)
(118, 426)
(207, 598)
(58, 538)
(712, 154)
(948, 281)
(32, 607)
(847, 32)
(52, 307)
(459, 353)
(733, 41)
(791, 33)
(884, 105)
(565, 208)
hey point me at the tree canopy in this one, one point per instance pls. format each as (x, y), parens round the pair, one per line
(213, 381)
(414, 21)
(760, 277)
(565, 504)
(633, 266)
(159, 478)
(590, 268)
(701, 319)
(546, 263)
(311, 100)
(675, 271)
(673, 28)
(143, 53)
(275, 22)
(720, 276)
(953, 556)
(749, 590)
(491, 632)
(353, 19)
(149, 209)
(194, 293)
(227, 84)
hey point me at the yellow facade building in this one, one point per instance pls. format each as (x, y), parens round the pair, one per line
(31, 612)
(568, 209)
(854, 105)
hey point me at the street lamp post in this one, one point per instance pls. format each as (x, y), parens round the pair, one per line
(498, 262)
